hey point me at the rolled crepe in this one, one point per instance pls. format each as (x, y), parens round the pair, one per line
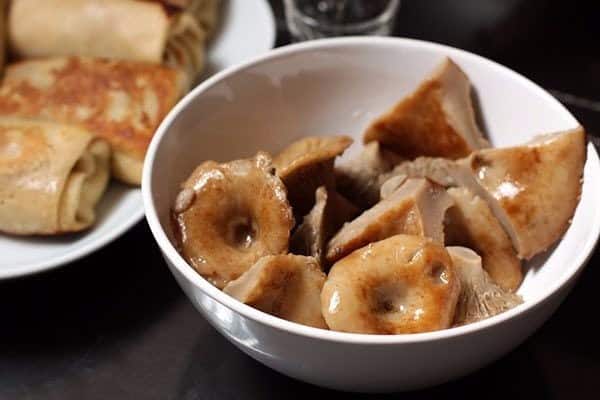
(117, 29)
(183, 51)
(2, 35)
(120, 101)
(205, 11)
(175, 3)
(51, 176)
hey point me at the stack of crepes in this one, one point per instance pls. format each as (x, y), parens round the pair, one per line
(84, 75)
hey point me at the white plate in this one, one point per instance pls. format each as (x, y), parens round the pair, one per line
(247, 29)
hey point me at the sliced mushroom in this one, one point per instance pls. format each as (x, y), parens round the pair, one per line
(532, 199)
(307, 164)
(415, 208)
(442, 171)
(403, 284)
(230, 215)
(391, 185)
(480, 297)
(358, 179)
(287, 286)
(436, 120)
(471, 223)
(533, 189)
(330, 212)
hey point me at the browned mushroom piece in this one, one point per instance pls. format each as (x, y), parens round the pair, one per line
(471, 223)
(391, 185)
(403, 284)
(307, 164)
(436, 120)
(480, 297)
(442, 171)
(287, 286)
(533, 189)
(230, 215)
(329, 213)
(358, 179)
(532, 199)
(416, 208)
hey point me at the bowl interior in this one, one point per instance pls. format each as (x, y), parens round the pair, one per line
(337, 87)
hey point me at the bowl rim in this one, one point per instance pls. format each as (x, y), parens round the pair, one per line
(177, 261)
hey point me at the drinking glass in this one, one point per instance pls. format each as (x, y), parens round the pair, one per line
(313, 19)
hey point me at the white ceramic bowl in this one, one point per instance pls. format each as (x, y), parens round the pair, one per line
(336, 86)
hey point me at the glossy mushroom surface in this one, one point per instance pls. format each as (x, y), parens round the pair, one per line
(436, 120)
(403, 284)
(287, 286)
(417, 207)
(534, 188)
(230, 215)
(305, 165)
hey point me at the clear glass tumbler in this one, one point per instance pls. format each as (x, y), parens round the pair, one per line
(313, 19)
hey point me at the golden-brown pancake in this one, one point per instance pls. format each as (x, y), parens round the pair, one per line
(206, 12)
(120, 101)
(123, 29)
(116, 29)
(51, 176)
(2, 35)
(184, 49)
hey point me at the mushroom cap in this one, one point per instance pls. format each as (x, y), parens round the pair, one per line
(287, 286)
(391, 185)
(230, 215)
(329, 213)
(480, 297)
(535, 188)
(359, 178)
(436, 120)
(417, 207)
(308, 151)
(403, 284)
(471, 223)
(531, 198)
(442, 171)
(305, 165)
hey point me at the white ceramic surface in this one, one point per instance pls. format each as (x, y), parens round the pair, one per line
(337, 86)
(247, 29)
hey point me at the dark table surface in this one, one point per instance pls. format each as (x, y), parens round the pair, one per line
(115, 325)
